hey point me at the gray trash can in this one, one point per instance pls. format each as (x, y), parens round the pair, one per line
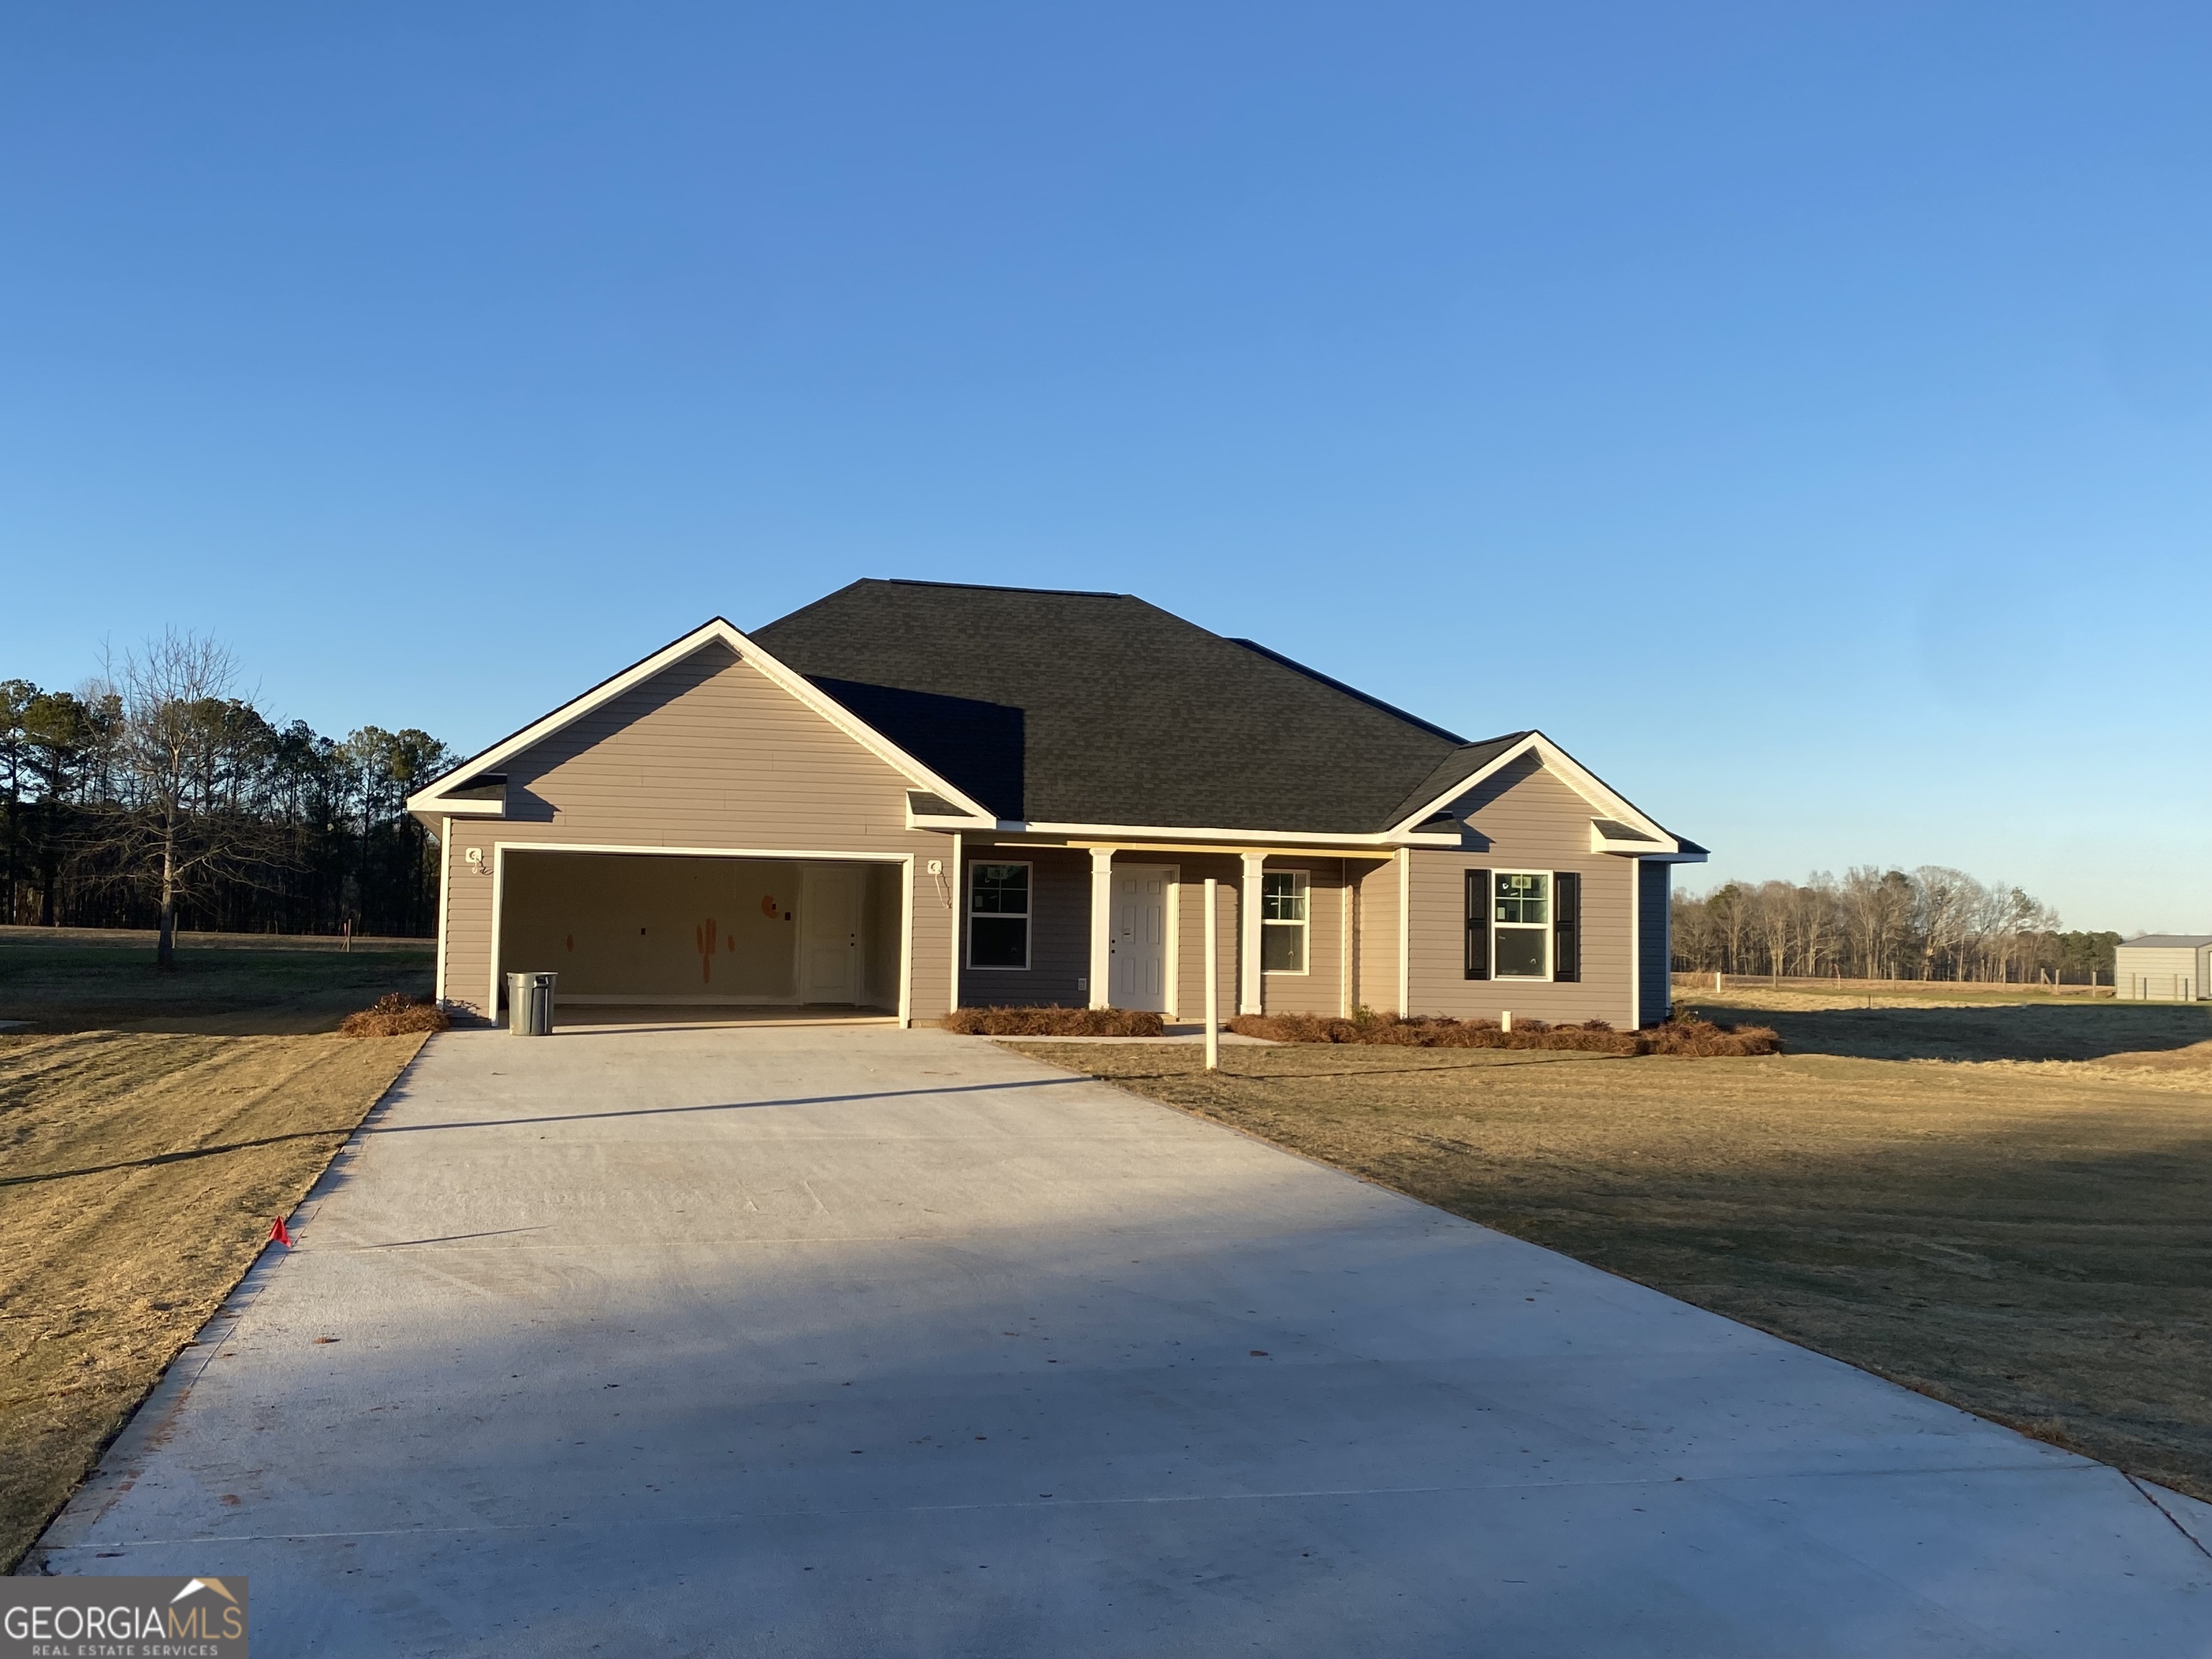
(530, 1004)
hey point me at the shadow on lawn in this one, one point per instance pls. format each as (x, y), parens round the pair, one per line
(234, 990)
(2004, 1031)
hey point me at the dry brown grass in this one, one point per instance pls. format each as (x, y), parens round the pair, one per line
(1700, 1038)
(2025, 1238)
(397, 1015)
(138, 1176)
(1054, 1022)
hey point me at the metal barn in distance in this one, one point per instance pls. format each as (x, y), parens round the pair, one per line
(2163, 968)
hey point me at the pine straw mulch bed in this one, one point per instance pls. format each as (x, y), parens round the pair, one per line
(1054, 1022)
(1691, 1036)
(397, 1015)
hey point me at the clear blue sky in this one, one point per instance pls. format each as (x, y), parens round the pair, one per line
(1803, 414)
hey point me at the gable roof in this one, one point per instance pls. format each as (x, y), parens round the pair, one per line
(2167, 942)
(474, 788)
(1058, 708)
(1071, 711)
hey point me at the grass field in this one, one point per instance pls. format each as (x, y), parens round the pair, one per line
(150, 1130)
(235, 985)
(2002, 1206)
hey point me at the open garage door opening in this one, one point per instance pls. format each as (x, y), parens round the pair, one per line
(711, 934)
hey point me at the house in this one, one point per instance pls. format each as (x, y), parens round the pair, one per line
(910, 796)
(2163, 968)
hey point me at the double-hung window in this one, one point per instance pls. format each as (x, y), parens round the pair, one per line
(999, 915)
(1521, 919)
(1283, 921)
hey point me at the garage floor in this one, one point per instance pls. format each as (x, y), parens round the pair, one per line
(617, 1016)
(858, 1341)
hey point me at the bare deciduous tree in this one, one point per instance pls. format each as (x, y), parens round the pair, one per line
(1813, 919)
(1771, 904)
(1945, 898)
(1937, 922)
(182, 746)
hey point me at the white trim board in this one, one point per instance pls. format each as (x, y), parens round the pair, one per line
(1405, 933)
(1177, 838)
(1635, 946)
(445, 900)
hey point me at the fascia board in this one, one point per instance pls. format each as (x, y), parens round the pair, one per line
(1183, 832)
(1571, 771)
(431, 800)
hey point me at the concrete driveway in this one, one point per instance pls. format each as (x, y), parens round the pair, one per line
(872, 1342)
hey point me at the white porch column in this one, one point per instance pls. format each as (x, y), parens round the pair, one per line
(1102, 925)
(1249, 996)
(1405, 931)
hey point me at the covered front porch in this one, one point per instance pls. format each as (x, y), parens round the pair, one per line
(1297, 929)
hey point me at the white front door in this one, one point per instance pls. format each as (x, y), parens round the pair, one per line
(1140, 941)
(829, 934)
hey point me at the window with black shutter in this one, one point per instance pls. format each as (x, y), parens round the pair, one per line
(1478, 924)
(1567, 925)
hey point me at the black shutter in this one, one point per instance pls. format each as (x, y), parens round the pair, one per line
(1478, 924)
(1567, 925)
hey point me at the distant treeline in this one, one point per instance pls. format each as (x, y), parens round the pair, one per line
(154, 796)
(1928, 923)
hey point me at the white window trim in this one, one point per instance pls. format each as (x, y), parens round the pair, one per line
(1545, 927)
(969, 913)
(1304, 926)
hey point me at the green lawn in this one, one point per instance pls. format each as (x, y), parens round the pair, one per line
(236, 984)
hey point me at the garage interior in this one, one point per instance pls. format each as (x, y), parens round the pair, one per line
(633, 933)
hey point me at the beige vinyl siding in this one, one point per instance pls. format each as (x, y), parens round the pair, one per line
(1190, 932)
(1319, 989)
(709, 754)
(467, 920)
(1375, 935)
(1060, 932)
(1524, 818)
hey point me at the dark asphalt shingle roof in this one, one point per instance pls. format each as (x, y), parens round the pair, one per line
(1071, 707)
